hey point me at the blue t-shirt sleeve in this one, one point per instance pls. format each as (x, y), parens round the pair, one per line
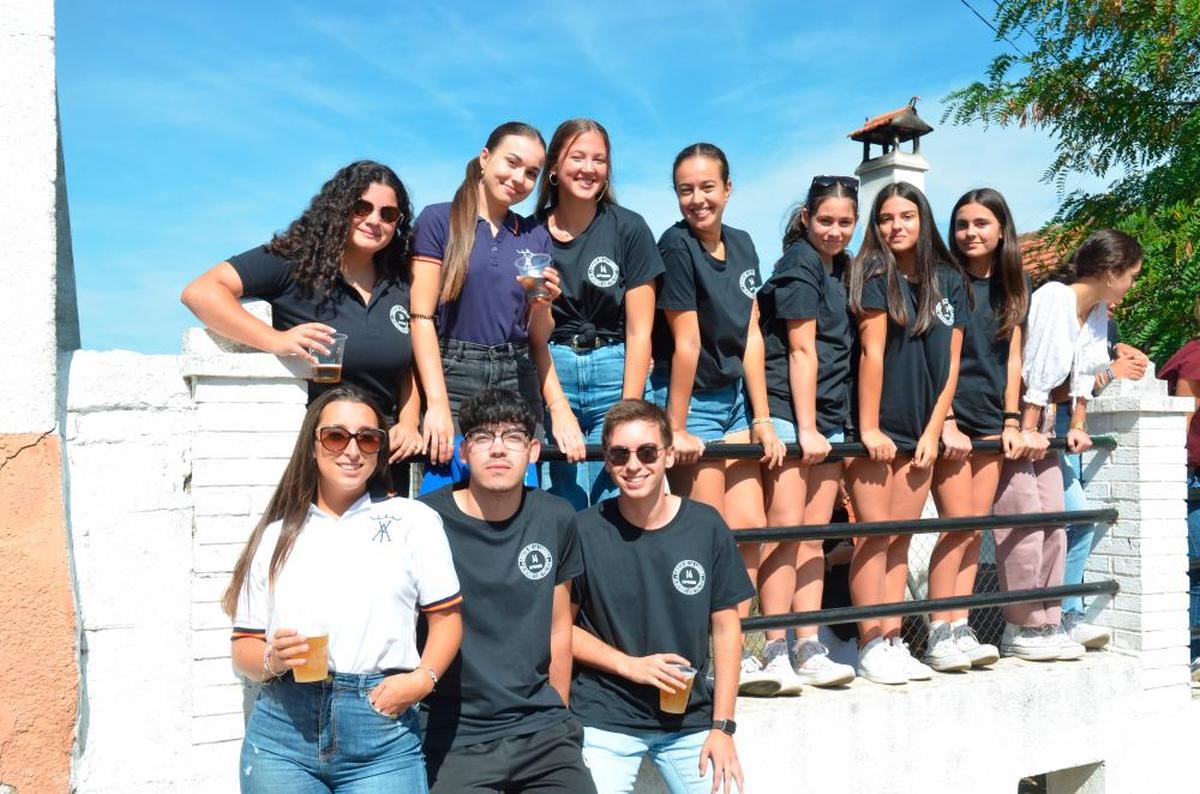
(799, 286)
(431, 230)
(643, 262)
(678, 291)
(264, 275)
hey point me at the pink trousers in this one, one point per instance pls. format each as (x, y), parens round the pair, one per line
(1027, 558)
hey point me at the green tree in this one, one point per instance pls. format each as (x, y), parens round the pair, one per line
(1117, 85)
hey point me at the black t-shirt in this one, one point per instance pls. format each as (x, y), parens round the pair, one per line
(499, 684)
(983, 369)
(801, 289)
(378, 346)
(915, 368)
(652, 591)
(721, 294)
(613, 255)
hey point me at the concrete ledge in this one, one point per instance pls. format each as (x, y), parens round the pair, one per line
(979, 732)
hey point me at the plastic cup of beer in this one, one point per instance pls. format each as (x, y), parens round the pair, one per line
(328, 368)
(316, 659)
(531, 273)
(676, 702)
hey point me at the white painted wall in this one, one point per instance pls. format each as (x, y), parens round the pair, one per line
(34, 272)
(171, 460)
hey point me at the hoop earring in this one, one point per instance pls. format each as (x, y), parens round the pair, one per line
(552, 178)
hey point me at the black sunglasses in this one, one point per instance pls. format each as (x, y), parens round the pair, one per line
(362, 208)
(848, 182)
(646, 453)
(335, 439)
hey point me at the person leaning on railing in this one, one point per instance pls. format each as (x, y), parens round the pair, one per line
(1066, 342)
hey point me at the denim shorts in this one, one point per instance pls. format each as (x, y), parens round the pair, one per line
(300, 736)
(713, 414)
(787, 432)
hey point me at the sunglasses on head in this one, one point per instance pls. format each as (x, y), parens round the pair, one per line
(335, 439)
(646, 453)
(848, 182)
(362, 208)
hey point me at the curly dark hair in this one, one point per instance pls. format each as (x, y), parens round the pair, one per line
(315, 240)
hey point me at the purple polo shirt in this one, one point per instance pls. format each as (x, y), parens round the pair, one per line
(490, 310)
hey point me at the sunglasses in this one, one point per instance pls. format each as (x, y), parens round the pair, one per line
(336, 439)
(512, 439)
(848, 182)
(646, 453)
(362, 208)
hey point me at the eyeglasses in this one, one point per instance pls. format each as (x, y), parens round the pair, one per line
(848, 182)
(512, 439)
(335, 439)
(646, 453)
(362, 208)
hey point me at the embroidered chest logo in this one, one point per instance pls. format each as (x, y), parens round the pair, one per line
(750, 282)
(945, 311)
(535, 561)
(383, 524)
(688, 577)
(603, 272)
(399, 317)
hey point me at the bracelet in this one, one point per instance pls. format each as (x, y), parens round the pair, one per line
(760, 420)
(1011, 415)
(416, 316)
(432, 675)
(1016, 424)
(268, 671)
(951, 418)
(1080, 426)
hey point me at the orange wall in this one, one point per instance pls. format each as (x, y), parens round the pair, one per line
(39, 680)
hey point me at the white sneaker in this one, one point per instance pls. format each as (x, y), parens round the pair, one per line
(1030, 644)
(1068, 649)
(813, 666)
(911, 666)
(754, 680)
(981, 654)
(942, 652)
(877, 663)
(779, 664)
(1086, 634)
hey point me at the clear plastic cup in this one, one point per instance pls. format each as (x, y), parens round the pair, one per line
(531, 272)
(316, 660)
(676, 702)
(328, 368)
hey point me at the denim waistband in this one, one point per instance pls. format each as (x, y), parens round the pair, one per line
(342, 682)
(462, 348)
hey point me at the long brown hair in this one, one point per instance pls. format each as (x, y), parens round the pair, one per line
(297, 490)
(1006, 259)
(464, 212)
(560, 141)
(876, 258)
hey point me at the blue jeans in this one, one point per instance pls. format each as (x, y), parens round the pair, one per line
(1081, 538)
(1193, 525)
(592, 382)
(712, 413)
(614, 758)
(787, 432)
(326, 737)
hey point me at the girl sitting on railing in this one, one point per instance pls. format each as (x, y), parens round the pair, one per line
(910, 302)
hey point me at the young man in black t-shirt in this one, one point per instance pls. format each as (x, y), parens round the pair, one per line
(498, 721)
(661, 573)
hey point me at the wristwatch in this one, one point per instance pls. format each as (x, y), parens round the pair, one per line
(726, 726)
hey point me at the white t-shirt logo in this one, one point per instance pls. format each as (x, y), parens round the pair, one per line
(945, 311)
(535, 561)
(688, 577)
(749, 282)
(603, 272)
(399, 318)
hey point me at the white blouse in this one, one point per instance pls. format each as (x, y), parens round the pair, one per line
(1057, 347)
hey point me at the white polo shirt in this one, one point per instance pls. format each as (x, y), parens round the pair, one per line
(363, 575)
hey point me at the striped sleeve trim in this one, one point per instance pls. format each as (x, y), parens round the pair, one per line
(444, 603)
(239, 633)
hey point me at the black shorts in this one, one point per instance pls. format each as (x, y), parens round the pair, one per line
(549, 760)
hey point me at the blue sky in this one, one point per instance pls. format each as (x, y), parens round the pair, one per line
(192, 131)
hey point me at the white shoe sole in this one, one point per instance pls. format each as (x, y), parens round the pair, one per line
(1042, 655)
(759, 685)
(950, 665)
(826, 678)
(883, 678)
(985, 658)
(1071, 654)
